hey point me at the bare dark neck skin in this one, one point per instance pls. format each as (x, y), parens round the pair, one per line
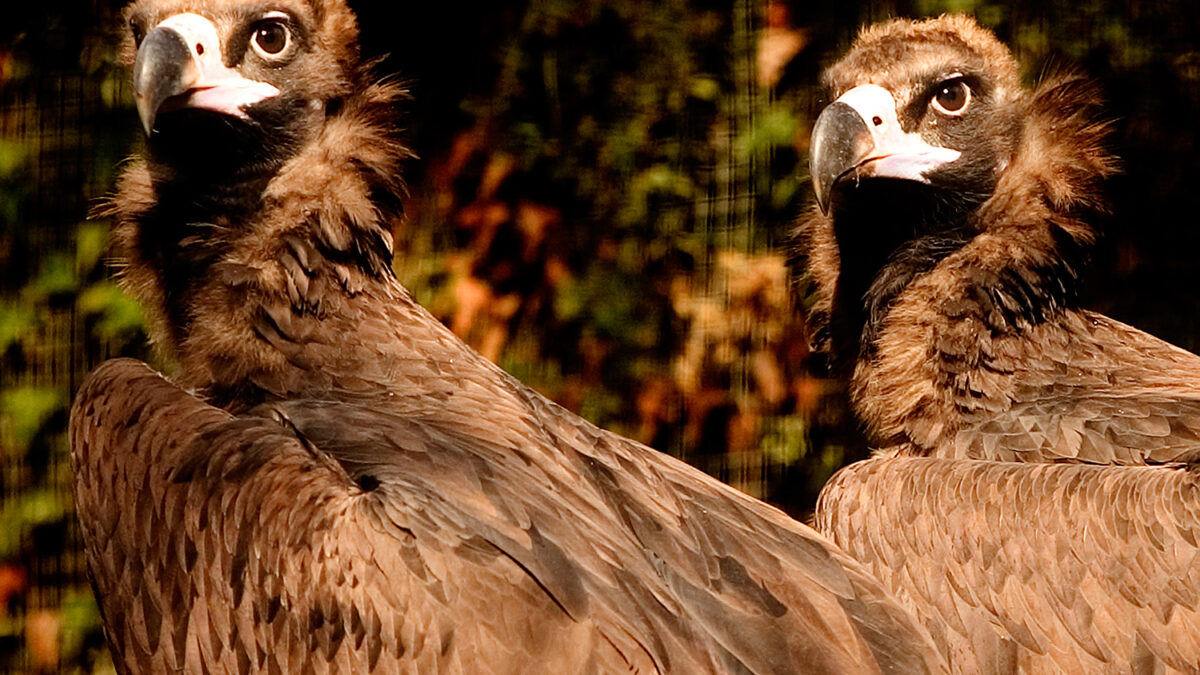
(881, 251)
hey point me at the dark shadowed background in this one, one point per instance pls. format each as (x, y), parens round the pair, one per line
(601, 204)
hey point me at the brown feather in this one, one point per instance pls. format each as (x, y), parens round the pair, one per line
(1054, 560)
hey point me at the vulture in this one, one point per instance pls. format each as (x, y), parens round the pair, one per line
(1034, 496)
(333, 481)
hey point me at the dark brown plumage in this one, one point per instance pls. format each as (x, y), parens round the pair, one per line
(1011, 505)
(334, 481)
(1041, 567)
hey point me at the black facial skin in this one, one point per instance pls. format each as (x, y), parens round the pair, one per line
(984, 131)
(230, 154)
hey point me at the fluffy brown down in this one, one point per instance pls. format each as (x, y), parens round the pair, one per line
(968, 352)
(334, 482)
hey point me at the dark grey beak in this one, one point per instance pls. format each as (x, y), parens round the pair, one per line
(841, 140)
(164, 68)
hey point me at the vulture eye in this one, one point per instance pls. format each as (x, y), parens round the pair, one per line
(952, 97)
(136, 29)
(271, 38)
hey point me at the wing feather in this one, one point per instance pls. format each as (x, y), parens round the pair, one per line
(1093, 427)
(636, 542)
(1086, 567)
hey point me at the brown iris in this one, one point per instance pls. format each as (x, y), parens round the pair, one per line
(271, 38)
(952, 97)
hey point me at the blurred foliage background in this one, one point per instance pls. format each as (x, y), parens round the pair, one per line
(602, 205)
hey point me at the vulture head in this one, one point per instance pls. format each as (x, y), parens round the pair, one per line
(223, 85)
(931, 145)
(934, 105)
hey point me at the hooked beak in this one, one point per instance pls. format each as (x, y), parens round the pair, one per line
(859, 134)
(178, 65)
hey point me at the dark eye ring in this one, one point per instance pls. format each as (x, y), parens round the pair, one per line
(271, 38)
(952, 98)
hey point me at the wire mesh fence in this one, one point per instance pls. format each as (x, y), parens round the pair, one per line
(61, 123)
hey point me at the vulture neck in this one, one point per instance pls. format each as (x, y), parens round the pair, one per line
(206, 168)
(902, 245)
(242, 274)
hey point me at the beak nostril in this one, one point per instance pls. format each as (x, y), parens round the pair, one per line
(200, 51)
(877, 120)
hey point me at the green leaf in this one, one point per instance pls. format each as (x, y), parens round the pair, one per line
(569, 301)
(705, 88)
(786, 440)
(27, 409)
(80, 616)
(91, 240)
(776, 126)
(26, 511)
(57, 275)
(120, 314)
(15, 322)
(13, 155)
